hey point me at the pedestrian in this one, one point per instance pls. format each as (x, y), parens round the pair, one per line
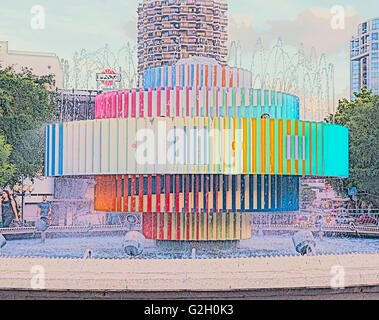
(44, 214)
(44, 209)
(8, 209)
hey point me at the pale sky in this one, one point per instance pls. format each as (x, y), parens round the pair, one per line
(90, 24)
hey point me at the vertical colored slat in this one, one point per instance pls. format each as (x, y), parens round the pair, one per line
(60, 161)
(303, 146)
(273, 143)
(300, 144)
(150, 102)
(293, 136)
(255, 146)
(289, 146)
(187, 102)
(249, 148)
(114, 104)
(119, 193)
(168, 102)
(159, 106)
(126, 193)
(158, 193)
(321, 150)
(263, 145)
(308, 159)
(134, 98)
(53, 148)
(267, 145)
(280, 141)
(126, 103)
(132, 194)
(149, 192)
(296, 147)
(313, 148)
(284, 156)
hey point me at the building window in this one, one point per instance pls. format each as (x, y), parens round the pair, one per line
(374, 46)
(375, 24)
(375, 36)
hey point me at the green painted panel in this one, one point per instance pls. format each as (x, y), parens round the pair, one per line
(266, 96)
(273, 101)
(300, 153)
(243, 103)
(279, 104)
(251, 102)
(224, 103)
(259, 97)
(219, 225)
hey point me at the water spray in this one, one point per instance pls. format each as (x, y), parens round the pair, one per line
(304, 242)
(3, 242)
(133, 244)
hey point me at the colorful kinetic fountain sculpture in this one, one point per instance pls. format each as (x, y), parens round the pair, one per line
(197, 151)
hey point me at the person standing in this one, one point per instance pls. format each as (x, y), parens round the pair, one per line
(44, 214)
(8, 209)
(44, 209)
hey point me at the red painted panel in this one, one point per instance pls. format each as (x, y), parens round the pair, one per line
(158, 192)
(141, 103)
(132, 196)
(140, 201)
(149, 192)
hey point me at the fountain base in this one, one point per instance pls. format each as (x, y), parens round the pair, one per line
(199, 245)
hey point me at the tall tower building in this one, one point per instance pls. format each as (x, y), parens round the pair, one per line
(364, 62)
(170, 30)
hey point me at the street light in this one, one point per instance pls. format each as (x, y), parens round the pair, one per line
(23, 190)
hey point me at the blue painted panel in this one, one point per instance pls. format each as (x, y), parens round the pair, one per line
(336, 151)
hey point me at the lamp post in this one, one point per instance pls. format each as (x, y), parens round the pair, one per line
(23, 190)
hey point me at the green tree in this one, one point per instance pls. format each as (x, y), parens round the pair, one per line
(6, 170)
(307, 196)
(361, 116)
(27, 103)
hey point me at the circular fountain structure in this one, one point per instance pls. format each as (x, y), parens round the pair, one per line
(196, 151)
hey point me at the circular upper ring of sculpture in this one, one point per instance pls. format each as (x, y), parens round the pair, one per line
(197, 75)
(196, 102)
(196, 146)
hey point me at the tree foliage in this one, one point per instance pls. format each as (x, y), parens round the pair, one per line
(361, 116)
(27, 103)
(307, 196)
(6, 170)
